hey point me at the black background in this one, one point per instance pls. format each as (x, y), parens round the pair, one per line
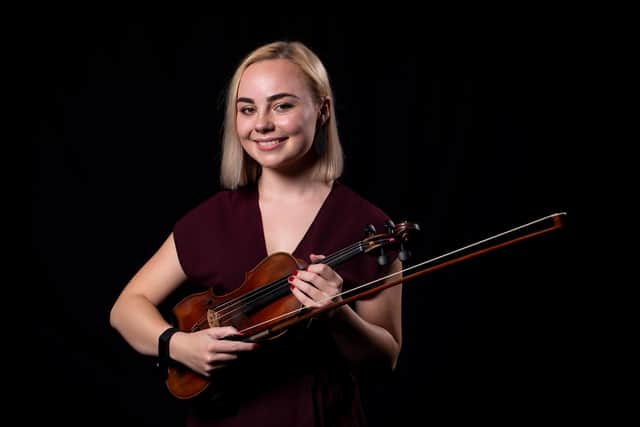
(466, 128)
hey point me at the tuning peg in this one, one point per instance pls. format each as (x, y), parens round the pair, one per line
(382, 258)
(369, 230)
(404, 253)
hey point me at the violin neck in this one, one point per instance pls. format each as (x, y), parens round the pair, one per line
(343, 255)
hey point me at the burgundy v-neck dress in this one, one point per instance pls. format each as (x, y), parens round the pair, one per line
(301, 380)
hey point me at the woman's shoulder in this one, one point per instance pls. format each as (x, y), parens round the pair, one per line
(353, 201)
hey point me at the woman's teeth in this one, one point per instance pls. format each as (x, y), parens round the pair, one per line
(269, 143)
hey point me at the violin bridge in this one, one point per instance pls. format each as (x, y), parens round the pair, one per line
(212, 318)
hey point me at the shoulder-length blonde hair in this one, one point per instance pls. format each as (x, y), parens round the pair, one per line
(237, 168)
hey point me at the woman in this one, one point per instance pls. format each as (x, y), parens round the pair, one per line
(280, 167)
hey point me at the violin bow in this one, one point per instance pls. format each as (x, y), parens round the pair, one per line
(284, 321)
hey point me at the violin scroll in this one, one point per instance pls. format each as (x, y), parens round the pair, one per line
(396, 236)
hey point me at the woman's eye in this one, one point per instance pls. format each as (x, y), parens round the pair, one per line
(283, 106)
(246, 110)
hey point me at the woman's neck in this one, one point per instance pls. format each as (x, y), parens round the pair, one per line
(276, 186)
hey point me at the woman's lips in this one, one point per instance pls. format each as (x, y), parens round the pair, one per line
(269, 144)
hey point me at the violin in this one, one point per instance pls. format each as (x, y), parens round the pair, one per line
(263, 307)
(265, 299)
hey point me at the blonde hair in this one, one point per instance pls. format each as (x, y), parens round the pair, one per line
(237, 169)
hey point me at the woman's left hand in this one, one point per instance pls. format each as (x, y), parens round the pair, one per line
(316, 286)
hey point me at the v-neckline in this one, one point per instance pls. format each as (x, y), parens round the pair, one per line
(260, 224)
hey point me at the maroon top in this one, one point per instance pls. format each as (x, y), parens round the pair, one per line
(301, 380)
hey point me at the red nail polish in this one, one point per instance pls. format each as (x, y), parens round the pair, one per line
(294, 273)
(292, 287)
(291, 278)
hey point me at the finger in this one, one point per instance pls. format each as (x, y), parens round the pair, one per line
(322, 270)
(210, 370)
(237, 347)
(221, 362)
(312, 295)
(316, 287)
(303, 276)
(323, 278)
(219, 358)
(221, 332)
(304, 299)
(316, 257)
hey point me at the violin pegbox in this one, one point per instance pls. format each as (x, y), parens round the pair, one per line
(402, 232)
(396, 235)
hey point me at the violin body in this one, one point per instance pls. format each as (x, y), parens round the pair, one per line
(261, 298)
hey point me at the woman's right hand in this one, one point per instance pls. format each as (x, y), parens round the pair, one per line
(207, 350)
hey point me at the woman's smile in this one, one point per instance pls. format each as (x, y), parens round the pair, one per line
(269, 144)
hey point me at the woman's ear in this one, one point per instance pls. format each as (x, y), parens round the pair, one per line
(325, 111)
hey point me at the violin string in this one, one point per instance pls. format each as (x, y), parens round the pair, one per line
(404, 270)
(265, 292)
(258, 296)
(232, 312)
(341, 253)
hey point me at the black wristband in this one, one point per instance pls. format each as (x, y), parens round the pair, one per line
(163, 348)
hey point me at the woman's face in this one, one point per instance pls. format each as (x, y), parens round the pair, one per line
(276, 114)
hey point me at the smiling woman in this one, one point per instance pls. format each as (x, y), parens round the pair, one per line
(278, 117)
(281, 165)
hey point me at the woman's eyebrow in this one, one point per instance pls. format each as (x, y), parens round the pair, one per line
(270, 98)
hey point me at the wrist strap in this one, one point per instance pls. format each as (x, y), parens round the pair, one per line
(163, 348)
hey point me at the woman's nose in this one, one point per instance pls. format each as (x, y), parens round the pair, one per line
(264, 123)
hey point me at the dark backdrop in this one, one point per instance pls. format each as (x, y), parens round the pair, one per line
(465, 129)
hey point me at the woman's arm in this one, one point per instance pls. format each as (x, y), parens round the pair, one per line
(370, 335)
(134, 314)
(136, 317)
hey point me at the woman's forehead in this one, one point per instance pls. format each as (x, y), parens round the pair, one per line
(270, 77)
